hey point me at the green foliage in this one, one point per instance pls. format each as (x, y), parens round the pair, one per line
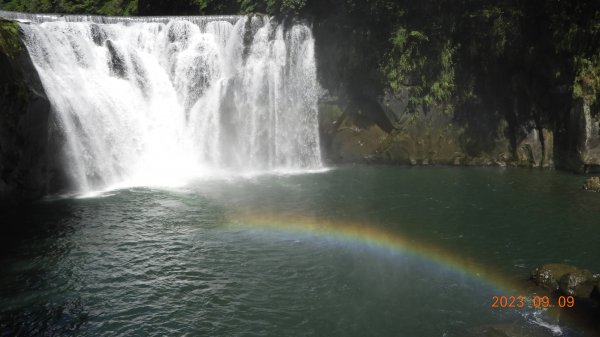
(11, 81)
(130, 7)
(587, 81)
(273, 7)
(9, 40)
(97, 7)
(421, 60)
(292, 6)
(510, 58)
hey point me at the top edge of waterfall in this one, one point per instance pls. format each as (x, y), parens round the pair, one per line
(42, 17)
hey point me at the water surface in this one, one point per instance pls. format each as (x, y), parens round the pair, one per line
(231, 257)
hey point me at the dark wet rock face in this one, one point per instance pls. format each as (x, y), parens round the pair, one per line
(578, 138)
(98, 35)
(116, 60)
(384, 131)
(28, 165)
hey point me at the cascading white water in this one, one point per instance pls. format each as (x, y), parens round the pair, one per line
(166, 99)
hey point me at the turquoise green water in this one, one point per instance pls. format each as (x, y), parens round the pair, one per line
(229, 257)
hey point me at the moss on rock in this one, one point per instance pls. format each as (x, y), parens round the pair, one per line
(10, 44)
(13, 86)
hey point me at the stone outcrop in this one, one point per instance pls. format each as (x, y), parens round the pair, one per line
(383, 131)
(548, 276)
(559, 279)
(578, 138)
(26, 158)
(568, 280)
(592, 184)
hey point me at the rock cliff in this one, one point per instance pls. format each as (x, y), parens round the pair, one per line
(28, 167)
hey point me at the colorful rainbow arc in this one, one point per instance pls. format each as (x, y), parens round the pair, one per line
(366, 234)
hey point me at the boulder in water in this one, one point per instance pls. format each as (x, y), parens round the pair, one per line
(579, 283)
(548, 275)
(592, 184)
(568, 280)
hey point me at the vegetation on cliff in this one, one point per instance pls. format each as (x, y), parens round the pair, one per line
(12, 85)
(24, 113)
(153, 7)
(97, 7)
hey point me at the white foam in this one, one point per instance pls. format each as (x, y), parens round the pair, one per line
(190, 98)
(537, 319)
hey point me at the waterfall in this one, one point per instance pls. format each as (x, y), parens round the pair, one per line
(159, 100)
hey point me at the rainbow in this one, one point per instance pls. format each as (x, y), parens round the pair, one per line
(379, 238)
(365, 234)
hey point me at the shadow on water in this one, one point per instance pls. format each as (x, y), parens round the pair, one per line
(27, 230)
(26, 224)
(33, 222)
(65, 319)
(53, 250)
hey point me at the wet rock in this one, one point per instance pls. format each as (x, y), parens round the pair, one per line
(549, 275)
(592, 184)
(567, 280)
(578, 138)
(29, 166)
(579, 283)
(382, 130)
(535, 150)
(98, 35)
(564, 279)
(357, 140)
(116, 60)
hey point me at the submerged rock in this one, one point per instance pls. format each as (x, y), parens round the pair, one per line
(592, 184)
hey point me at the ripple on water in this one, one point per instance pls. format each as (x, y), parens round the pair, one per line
(152, 262)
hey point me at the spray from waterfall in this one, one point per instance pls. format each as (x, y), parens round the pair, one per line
(161, 100)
